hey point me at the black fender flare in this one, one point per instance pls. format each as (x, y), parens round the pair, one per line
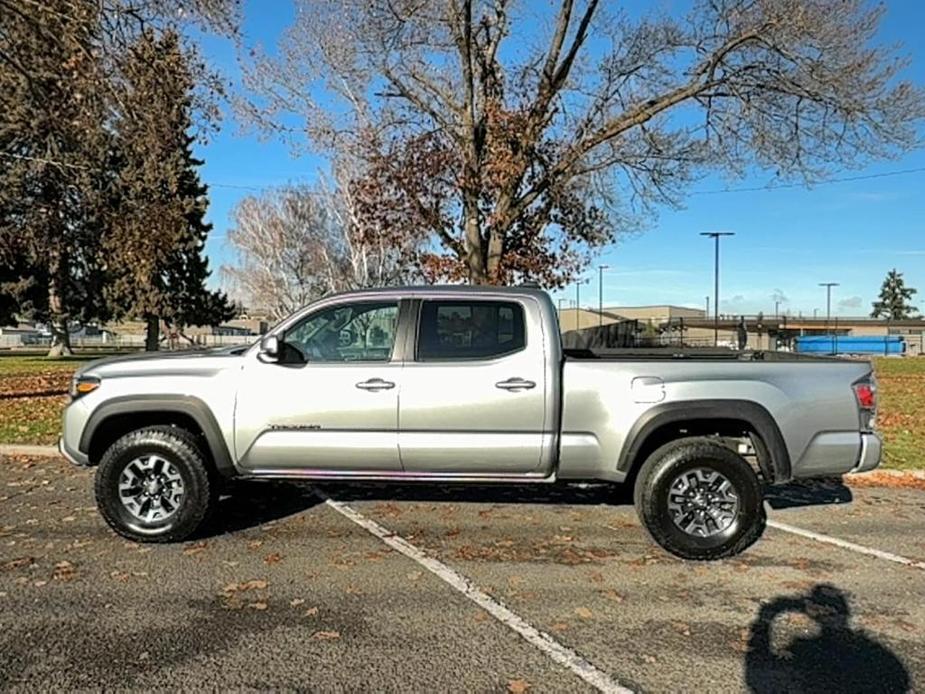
(187, 405)
(755, 415)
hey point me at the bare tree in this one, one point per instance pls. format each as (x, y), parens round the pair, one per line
(296, 244)
(550, 129)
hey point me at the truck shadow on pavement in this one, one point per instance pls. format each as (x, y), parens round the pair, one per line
(829, 656)
(592, 494)
(796, 494)
(820, 492)
(250, 504)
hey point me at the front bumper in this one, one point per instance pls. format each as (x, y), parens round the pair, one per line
(74, 456)
(871, 449)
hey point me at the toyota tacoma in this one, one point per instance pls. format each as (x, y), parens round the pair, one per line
(466, 385)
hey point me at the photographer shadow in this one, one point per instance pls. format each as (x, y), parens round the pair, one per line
(836, 658)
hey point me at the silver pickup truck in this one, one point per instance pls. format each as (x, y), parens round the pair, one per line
(463, 384)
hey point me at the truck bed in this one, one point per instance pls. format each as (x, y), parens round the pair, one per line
(691, 354)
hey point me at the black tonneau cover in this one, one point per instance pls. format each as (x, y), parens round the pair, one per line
(691, 353)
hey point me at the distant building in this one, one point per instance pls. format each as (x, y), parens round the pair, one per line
(665, 324)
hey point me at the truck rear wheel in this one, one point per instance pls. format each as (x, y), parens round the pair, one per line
(153, 485)
(699, 500)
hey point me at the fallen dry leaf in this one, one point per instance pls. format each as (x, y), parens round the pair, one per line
(518, 686)
(274, 558)
(326, 635)
(583, 612)
(256, 584)
(17, 563)
(311, 611)
(192, 550)
(64, 571)
(295, 602)
(259, 605)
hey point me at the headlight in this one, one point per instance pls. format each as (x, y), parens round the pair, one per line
(81, 385)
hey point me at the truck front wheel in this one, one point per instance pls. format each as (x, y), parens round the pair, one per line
(699, 500)
(152, 485)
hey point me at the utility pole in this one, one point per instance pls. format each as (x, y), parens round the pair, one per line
(577, 305)
(600, 294)
(707, 314)
(777, 309)
(828, 301)
(715, 235)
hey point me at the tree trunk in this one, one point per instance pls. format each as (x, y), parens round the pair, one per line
(152, 333)
(475, 254)
(57, 287)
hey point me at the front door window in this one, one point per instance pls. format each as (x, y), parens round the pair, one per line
(363, 332)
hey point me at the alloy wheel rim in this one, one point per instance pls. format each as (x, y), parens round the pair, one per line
(151, 488)
(702, 502)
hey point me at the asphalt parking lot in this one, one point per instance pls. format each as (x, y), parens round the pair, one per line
(427, 588)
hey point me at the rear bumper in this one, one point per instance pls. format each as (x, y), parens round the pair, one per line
(871, 449)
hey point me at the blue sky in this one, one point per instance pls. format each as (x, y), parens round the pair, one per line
(787, 240)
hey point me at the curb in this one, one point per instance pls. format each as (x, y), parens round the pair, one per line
(905, 474)
(24, 449)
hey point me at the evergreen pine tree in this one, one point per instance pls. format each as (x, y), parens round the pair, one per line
(157, 233)
(893, 303)
(53, 151)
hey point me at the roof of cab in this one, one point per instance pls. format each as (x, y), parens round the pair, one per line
(443, 290)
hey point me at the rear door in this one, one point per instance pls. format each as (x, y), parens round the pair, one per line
(473, 400)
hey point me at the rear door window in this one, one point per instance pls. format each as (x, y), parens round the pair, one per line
(456, 330)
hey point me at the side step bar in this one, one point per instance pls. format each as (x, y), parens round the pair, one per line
(398, 476)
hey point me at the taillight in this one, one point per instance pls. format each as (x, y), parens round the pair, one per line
(866, 395)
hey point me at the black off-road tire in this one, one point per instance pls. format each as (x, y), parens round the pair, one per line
(653, 485)
(181, 449)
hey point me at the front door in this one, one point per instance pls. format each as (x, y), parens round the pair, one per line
(473, 401)
(331, 401)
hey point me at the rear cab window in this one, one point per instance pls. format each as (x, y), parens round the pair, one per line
(461, 330)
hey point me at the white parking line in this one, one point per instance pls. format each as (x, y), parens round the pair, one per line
(844, 544)
(563, 655)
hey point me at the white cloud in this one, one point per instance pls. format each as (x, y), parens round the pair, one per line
(851, 302)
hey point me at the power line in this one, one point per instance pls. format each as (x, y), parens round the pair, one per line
(754, 189)
(845, 179)
(770, 186)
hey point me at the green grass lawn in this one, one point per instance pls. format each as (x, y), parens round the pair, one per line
(33, 393)
(36, 419)
(901, 415)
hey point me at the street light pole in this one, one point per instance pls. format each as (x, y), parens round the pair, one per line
(578, 305)
(715, 235)
(828, 301)
(600, 294)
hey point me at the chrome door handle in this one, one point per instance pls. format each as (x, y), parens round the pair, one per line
(375, 384)
(515, 384)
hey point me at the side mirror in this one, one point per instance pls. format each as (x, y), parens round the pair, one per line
(269, 348)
